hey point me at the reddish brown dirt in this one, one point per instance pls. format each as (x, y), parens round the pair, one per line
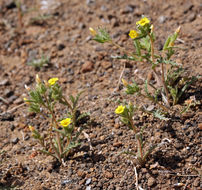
(82, 64)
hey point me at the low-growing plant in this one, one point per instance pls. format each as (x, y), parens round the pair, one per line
(171, 81)
(126, 113)
(39, 63)
(62, 134)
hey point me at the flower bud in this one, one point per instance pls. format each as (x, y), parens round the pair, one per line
(38, 80)
(152, 28)
(178, 30)
(46, 83)
(125, 83)
(92, 31)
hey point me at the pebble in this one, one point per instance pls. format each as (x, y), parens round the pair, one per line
(81, 173)
(196, 182)
(15, 140)
(87, 67)
(162, 19)
(151, 181)
(88, 188)
(64, 182)
(4, 82)
(7, 117)
(10, 4)
(8, 93)
(191, 17)
(88, 181)
(109, 175)
(106, 64)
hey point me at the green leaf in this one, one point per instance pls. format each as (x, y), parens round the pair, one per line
(70, 146)
(167, 42)
(131, 89)
(159, 115)
(146, 90)
(102, 36)
(137, 46)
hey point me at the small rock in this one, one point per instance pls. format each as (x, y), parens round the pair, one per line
(151, 181)
(7, 117)
(191, 17)
(88, 2)
(60, 46)
(4, 82)
(103, 8)
(15, 140)
(162, 19)
(88, 188)
(8, 93)
(12, 127)
(81, 173)
(128, 9)
(10, 4)
(117, 144)
(109, 175)
(196, 182)
(200, 126)
(106, 64)
(87, 67)
(88, 181)
(64, 182)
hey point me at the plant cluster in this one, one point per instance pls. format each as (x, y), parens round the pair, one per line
(170, 82)
(62, 134)
(39, 63)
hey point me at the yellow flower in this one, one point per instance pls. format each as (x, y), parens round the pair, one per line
(31, 128)
(133, 34)
(120, 109)
(143, 21)
(92, 31)
(52, 81)
(65, 122)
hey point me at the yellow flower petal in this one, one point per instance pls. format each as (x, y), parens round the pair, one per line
(120, 109)
(143, 21)
(52, 81)
(133, 34)
(65, 122)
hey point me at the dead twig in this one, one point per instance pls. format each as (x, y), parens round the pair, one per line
(136, 178)
(4, 100)
(13, 109)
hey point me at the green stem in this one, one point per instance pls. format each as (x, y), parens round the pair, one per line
(54, 122)
(162, 80)
(164, 85)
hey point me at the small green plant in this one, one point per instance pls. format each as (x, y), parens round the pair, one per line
(39, 63)
(126, 113)
(171, 84)
(62, 135)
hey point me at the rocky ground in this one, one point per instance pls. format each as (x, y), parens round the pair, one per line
(82, 64)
